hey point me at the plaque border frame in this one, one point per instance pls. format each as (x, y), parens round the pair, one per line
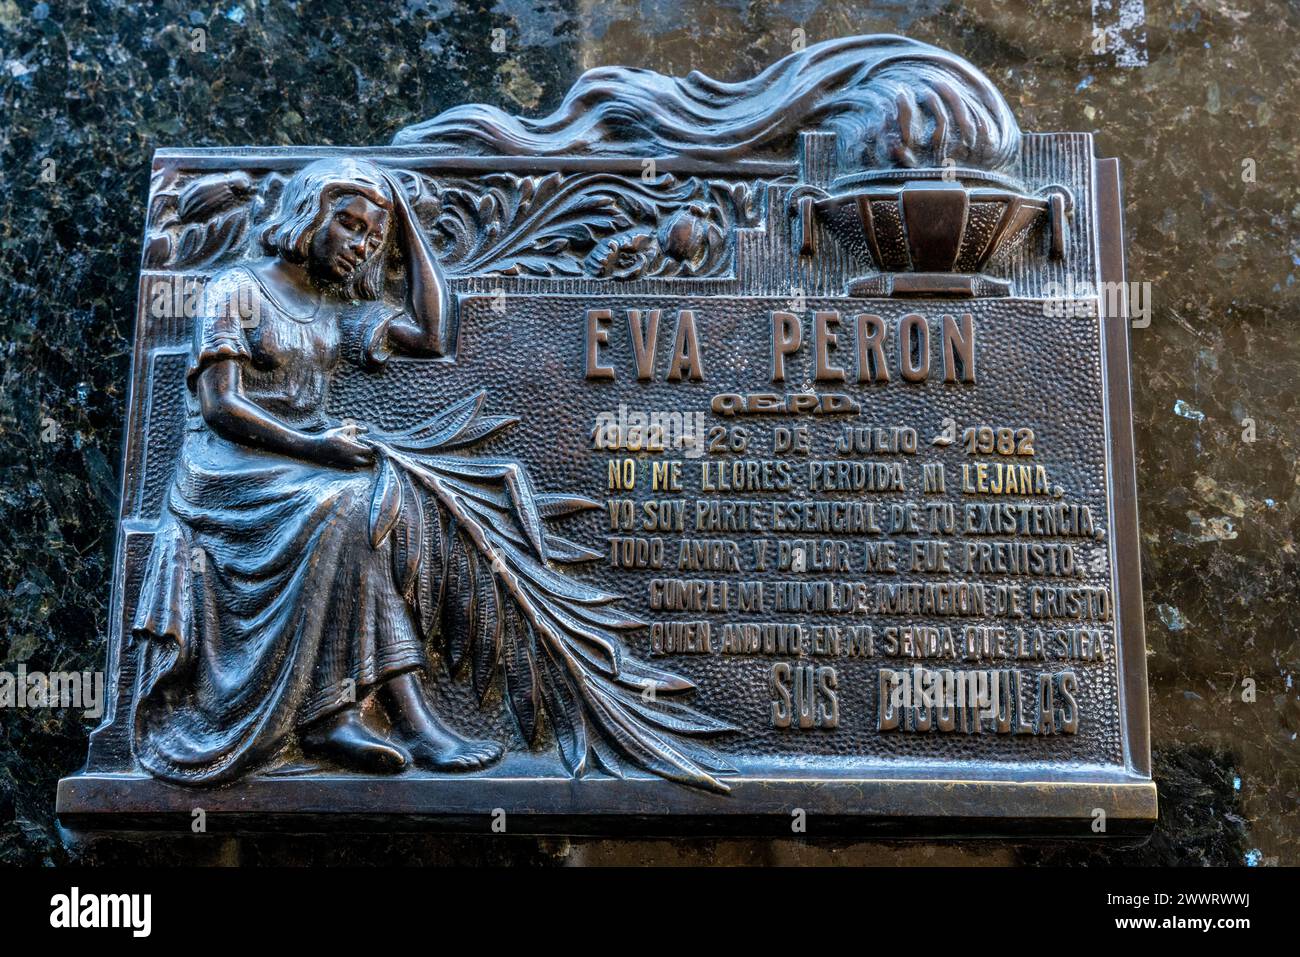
(998, 802)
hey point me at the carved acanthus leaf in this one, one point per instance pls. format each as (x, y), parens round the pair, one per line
(603, 225)
(203, 222)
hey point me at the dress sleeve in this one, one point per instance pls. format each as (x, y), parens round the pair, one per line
(229, 301)
(365, 334)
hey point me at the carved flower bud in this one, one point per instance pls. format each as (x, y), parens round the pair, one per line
(683, 236)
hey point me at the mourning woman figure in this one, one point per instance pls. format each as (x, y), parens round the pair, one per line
(266, 614)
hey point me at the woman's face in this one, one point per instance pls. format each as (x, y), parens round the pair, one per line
(352, 233)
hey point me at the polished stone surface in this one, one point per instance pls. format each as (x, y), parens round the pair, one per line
(1197, 101)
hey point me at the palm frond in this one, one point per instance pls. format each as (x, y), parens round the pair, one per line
(472, 553)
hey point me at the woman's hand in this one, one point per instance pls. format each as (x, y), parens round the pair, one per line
(339, 447)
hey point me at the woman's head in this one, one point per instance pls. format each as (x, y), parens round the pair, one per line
(334, 217)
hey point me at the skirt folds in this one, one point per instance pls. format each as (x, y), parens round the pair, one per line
(264, 608)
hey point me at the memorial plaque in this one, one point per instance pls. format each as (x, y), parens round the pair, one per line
(702, 455)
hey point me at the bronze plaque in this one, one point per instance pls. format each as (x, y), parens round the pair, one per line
(749, 455)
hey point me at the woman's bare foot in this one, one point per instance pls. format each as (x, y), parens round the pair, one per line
(432, 745)
(344, 738)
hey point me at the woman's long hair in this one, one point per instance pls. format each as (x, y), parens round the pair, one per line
(306, 203)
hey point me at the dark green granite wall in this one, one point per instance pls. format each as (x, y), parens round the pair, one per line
(1186, 94)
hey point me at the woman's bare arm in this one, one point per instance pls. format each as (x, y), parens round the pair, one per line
(422, 330)
(228, 413)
